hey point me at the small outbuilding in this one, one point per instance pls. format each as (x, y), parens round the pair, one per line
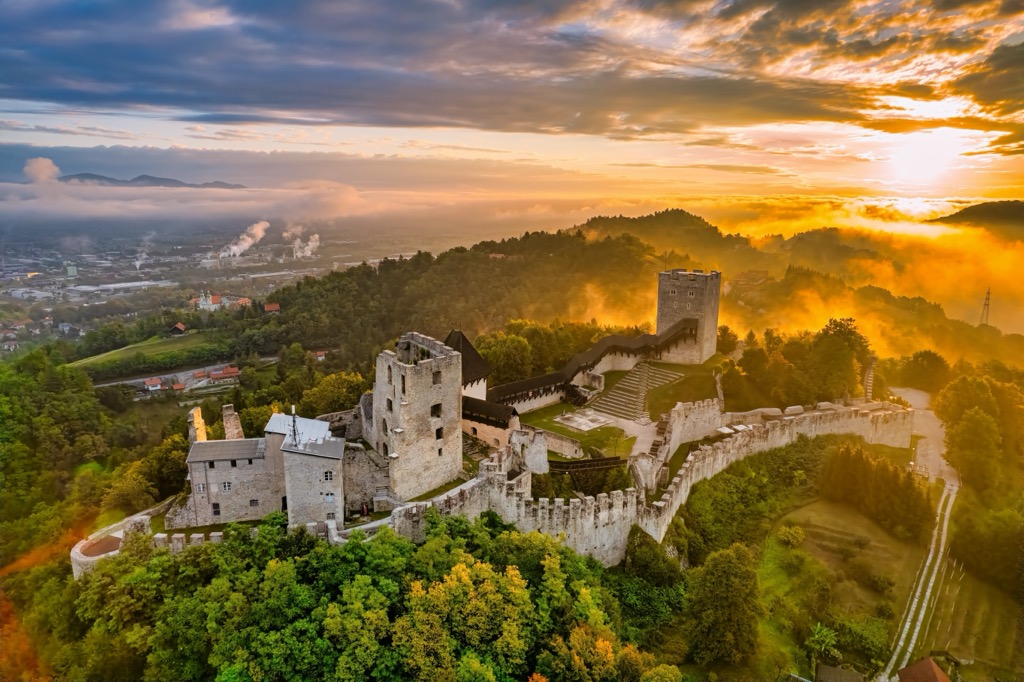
(178, 329)
(925, 670)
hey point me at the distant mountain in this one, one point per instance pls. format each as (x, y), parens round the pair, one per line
(142, 181)
(1002, 218)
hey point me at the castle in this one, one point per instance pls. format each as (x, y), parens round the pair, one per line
(400, 449)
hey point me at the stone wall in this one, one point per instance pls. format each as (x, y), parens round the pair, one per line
(365, 473)
(537, 399)
(532, 446)
(494, 436)
(562, 445)
(136, 523)
(611, 362)
(599, 527)
(694, 295)
(312, 498)
(688, 422)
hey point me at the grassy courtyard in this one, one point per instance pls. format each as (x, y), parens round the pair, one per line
(610, 440)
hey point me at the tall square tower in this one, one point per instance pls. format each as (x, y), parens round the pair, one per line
(417, 414)
(690, 295)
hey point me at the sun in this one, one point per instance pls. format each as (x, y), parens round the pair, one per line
(922, 158)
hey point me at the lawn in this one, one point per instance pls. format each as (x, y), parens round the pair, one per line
(440, 490)
(610, 440)
(151, 346)
(691, 388)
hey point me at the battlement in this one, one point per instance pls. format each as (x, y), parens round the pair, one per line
(681, 274)
(414, 349)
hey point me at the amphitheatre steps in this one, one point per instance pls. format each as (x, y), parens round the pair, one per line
(628, 398)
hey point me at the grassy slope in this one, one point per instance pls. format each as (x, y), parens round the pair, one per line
(151, 346)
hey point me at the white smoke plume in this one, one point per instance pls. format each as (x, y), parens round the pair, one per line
(147, 242)
(41, 169)
(293, 231)
(307, 250)
(252, 235)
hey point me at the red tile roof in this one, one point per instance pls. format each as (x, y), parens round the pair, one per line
(272, 307)
(178, 387)
(152, 382)
(925, 670)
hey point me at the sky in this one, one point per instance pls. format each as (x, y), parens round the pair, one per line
(754, 113)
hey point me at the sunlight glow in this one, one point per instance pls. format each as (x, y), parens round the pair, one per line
(923, 157)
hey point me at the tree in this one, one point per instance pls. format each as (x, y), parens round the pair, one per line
(972, 446)
(131, 491)
(334, 393)
(728, 340)
(963, 394)
(822, 643)
(725, 603)
(926, 370)
(509, 356)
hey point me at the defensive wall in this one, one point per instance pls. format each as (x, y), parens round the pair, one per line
(599, 527)
(562, 445)
(84, 554)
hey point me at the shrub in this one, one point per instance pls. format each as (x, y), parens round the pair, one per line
(791, 536)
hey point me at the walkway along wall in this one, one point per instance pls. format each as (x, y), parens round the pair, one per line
(599, 527)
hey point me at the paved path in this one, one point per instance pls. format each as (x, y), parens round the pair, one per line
(930, 449)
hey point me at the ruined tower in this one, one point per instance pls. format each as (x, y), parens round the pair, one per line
(691, 296)
(417, 413)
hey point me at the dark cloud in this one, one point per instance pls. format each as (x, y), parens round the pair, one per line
(523, 66)
(997, 84)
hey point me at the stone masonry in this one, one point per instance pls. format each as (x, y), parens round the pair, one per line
(683, 294)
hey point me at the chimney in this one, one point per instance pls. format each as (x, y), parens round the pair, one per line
(232, 424)
(196, 426)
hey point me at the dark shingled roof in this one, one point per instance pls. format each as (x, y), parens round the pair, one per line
(484, 412)
(925, 670)
(212, 450)
(474, 367)
(631, 345)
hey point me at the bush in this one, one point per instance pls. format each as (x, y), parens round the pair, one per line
(791, 536)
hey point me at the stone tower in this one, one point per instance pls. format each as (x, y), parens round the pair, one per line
(691, 296)
(417, 414)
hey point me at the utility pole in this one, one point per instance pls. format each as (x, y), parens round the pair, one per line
(984, 308)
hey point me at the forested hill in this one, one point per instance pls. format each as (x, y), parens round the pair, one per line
(1002, 218)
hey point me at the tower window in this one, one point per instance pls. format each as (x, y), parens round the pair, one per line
(234, 463)
(439, 433)
(212, 465)
(435, 410)
(691, 293)
(440, 452)
(330, 516)
(674, 292)
(250, 462)
(390, 379)
(687, 306)
(329, 498)
(200, 487)
(216, 508)
(403, 383)
(328, 475)
(437, 378)
(391, 405)
(254, 503)
(226, 486)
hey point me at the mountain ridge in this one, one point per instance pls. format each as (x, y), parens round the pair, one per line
(143, 181)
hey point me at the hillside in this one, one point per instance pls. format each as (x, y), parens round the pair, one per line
(142, 181)
(1002, 218)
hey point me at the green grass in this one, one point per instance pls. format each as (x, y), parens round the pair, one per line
(151, 346)
(972, 619)
(107, 518)
(440, 490)
(691, 388)
(748, 396)
(901, 457)
(610, 440)
(157, 525)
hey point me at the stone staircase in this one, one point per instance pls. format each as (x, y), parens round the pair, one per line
(869, 379)
(628, 398)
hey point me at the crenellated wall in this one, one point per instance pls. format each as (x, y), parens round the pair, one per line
(599, 527)
(690, 422)
(563, 445)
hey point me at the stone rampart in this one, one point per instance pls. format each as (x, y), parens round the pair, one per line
(599, 527)
(563, 445)
(688, 422)
(534, 400)
(81, 558)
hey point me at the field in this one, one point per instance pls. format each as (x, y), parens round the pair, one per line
(151, 346)
(972, 620)
(610, 440)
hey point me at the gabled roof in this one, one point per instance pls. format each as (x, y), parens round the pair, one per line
(925, 670)
(272, 307)
(179, 326)
(309, 430)
(215, 450)
(486, 412)
(474, 367)
(826, 673)
(152, 382)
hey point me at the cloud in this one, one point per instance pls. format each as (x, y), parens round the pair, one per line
(750, 169)
(41, 170)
